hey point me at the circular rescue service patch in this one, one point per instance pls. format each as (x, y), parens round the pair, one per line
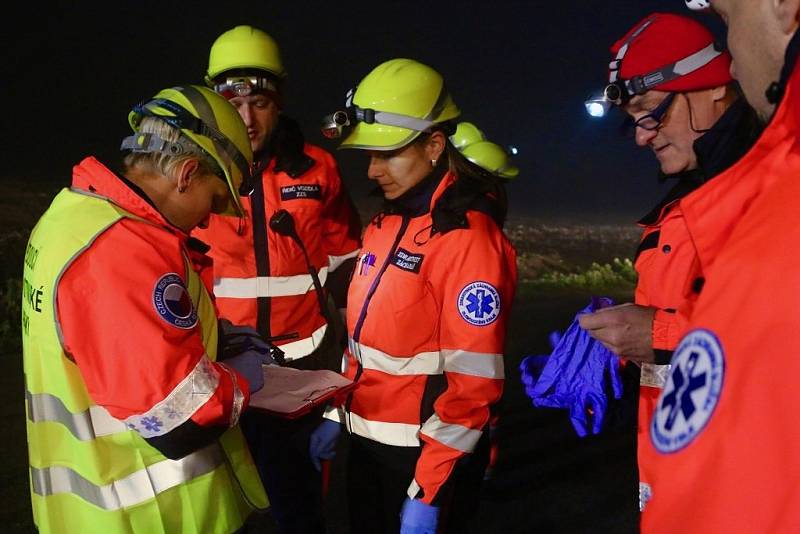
(172, 302)
(479, 303)
(691, 393)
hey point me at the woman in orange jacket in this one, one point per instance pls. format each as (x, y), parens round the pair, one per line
(428, 307)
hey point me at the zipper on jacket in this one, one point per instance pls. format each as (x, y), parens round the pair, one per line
(363, 315)
(261, 252)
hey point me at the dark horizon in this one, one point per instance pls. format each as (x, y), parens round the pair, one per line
(519, 70)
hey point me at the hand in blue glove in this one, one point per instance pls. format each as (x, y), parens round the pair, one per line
(322, 445)
(248, 364)
(416, 517)
(574, 375)
(237, 339)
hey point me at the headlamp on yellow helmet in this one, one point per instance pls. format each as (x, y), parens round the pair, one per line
(397, 101)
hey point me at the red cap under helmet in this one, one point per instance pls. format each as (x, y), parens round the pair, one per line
(662, 40)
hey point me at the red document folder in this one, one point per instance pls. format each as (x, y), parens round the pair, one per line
(290, 393)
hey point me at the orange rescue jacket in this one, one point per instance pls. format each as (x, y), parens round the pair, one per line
(260, 277)
(426, 318)
(723, 443)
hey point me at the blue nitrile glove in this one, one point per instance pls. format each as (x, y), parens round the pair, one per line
(416, 517)
(248, 364)
(322, 445)
(574, 375)
(237, 339)
(531, 366)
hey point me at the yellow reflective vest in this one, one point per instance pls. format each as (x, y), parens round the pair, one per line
(88, 471)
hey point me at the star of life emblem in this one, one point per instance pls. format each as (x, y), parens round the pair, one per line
(691, 393)
(479, 303)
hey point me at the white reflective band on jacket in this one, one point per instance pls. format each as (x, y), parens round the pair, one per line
(183, 401)
(303, 347)
(334, 262)
(136, 488)
(267, 286)
(486, 365)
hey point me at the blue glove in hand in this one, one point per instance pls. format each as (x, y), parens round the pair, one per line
(248, 364)
(574, 375)
(322, 445)
(416, 517)
(237, 339)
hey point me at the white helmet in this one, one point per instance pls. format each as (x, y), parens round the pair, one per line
(698, 5)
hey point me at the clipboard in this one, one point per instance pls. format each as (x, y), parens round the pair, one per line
(291, 393)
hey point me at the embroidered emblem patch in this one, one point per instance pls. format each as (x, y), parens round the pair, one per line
(366, 261)
(407, 261)
(298, 191)
(172, 302)
(691, 393)
(479, 303)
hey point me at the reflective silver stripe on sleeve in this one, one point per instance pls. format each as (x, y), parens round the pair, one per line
(423, 363)
(86, 425)
(399, 434)
(335, 261)
(267, 286)
(483, 364)
(334, 414)
(454, 436)
(413, 489)
(238, 396)
(183, 401)
(136, 488)
(654, 376)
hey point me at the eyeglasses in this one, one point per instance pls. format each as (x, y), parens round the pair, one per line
(653, 120)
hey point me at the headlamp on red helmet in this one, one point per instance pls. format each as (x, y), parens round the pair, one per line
(653, 44)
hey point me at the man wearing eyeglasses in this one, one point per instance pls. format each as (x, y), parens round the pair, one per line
(674, 84)
(299, 225)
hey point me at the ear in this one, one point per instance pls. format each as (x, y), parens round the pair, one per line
(187, 173)
(787, 13)
(719, 93)
(434, 146)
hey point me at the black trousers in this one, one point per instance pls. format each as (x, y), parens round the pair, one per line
(280, 450)
(378, 477)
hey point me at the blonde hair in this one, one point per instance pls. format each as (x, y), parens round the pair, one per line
(162, 162)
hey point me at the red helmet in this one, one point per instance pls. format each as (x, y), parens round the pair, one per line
(668, 52)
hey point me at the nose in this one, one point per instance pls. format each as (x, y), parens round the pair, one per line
(375, 169)
(247, 114)
(644, 137)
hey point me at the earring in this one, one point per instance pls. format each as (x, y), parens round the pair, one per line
(181, 189)
(433, 163)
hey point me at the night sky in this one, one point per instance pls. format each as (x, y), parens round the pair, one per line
(519, 70)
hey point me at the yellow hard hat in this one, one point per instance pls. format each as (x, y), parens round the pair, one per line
(491, 157)
(244, 47)
(466, 134)
(394, 103)
(207, 120)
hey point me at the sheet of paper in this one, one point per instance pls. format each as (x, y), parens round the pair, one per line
(287, 390)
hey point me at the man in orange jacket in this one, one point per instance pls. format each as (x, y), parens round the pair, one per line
(723, 440)
(696, 125)
(264, 276)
